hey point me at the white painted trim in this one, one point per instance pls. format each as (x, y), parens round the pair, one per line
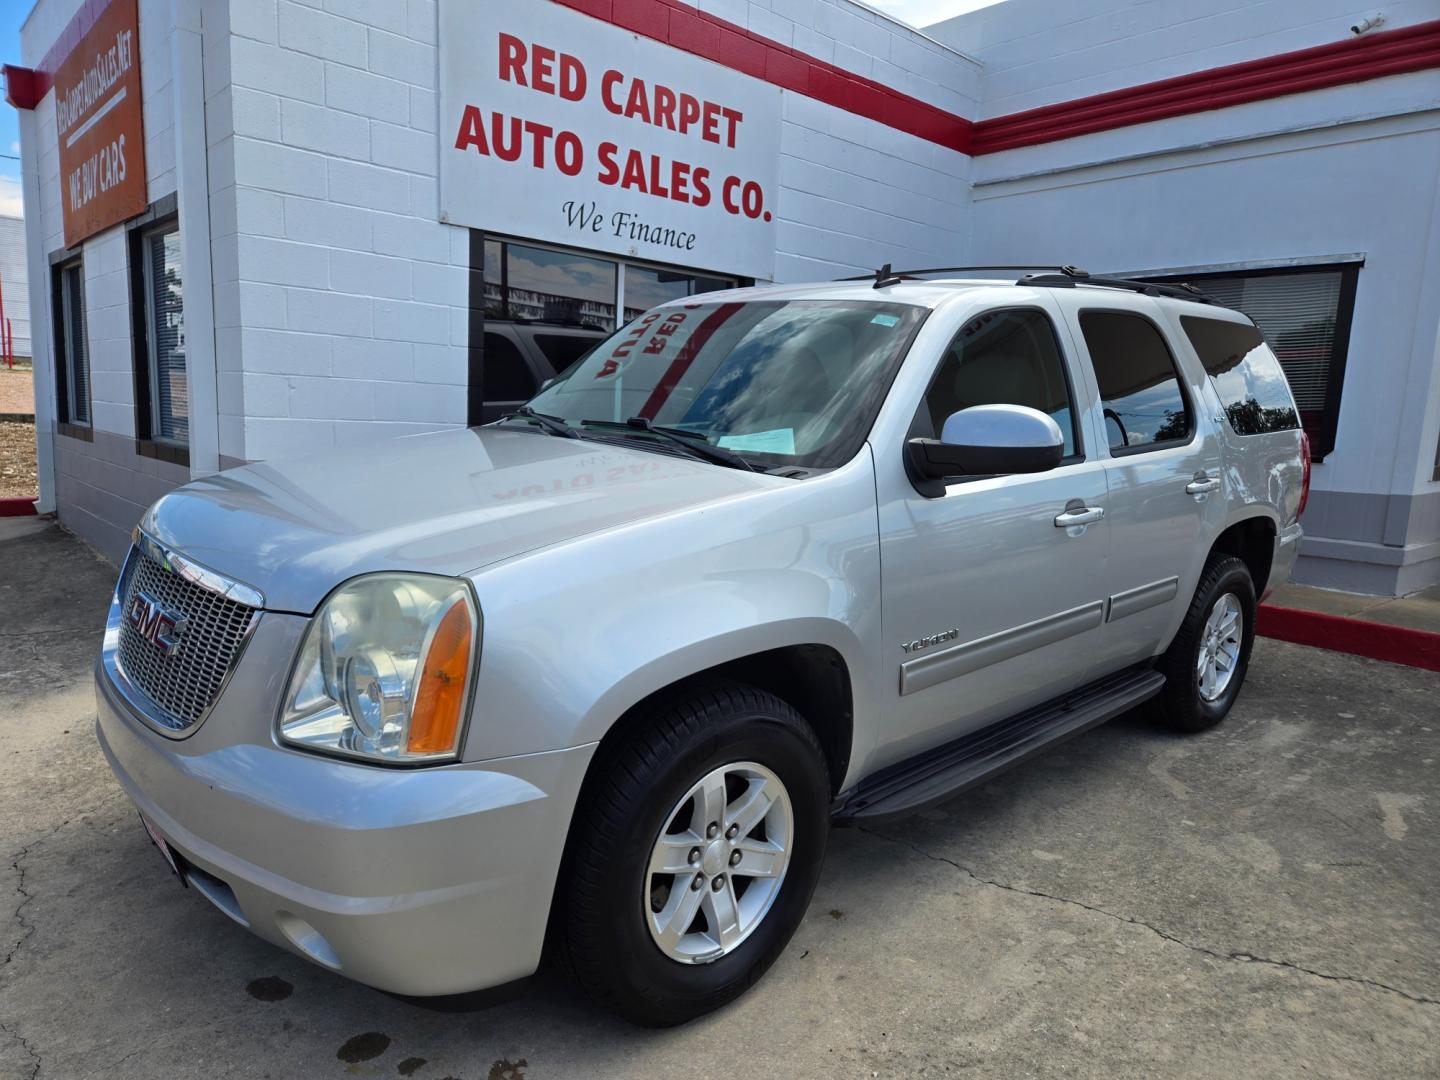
(1323, 129)
(192, 193)
(42, 328)
(1297, 263)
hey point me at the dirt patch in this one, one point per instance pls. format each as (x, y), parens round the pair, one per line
(17, 460)
(17, 391)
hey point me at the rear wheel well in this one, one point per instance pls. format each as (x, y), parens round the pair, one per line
(1252, 541)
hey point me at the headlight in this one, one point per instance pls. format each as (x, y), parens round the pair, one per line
(385, 671)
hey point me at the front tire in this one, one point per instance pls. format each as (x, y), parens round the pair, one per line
(1205, 665)
(694, 853)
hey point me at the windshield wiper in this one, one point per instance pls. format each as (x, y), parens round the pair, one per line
(691, 441)
(552, 424)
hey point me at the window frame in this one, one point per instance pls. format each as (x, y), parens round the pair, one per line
(1349, 271)
(161, 217)
(475, 337)
(1066, 367)
(1192, 429)
(66, 422)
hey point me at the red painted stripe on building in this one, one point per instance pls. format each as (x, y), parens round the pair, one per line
(1395, 644)
(17, 507)
(1392, 52)
(677, 24)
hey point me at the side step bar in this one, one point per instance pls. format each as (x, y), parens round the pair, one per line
(944, 772)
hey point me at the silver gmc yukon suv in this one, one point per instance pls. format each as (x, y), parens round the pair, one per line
(601, 675)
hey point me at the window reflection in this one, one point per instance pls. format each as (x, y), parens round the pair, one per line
(646, 288)
(538, 285)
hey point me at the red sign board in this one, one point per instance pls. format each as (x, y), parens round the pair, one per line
(100, 124)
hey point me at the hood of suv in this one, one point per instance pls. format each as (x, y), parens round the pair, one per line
(443, 503)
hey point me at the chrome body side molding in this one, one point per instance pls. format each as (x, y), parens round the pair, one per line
(1146, 596)
(927, 671)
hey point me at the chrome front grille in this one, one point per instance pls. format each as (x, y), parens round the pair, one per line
(183, 681)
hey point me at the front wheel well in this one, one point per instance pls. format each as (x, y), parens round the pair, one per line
(812, 679)
(1252, 541)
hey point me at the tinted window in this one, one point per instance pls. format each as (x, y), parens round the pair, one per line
(165, 329)
(1144, 404)
(1305, 316)
(506, 375)
(562, 350)
(73, 344)
(1246, 375)
(1003, 358)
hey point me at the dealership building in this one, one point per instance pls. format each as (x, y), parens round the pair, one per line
(265, 228)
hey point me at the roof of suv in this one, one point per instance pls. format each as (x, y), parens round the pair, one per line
(934, 292)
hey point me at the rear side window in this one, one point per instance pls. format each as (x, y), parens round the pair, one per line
(1246, 374)
(506, 376)
(1003, 358)
(1145, 408)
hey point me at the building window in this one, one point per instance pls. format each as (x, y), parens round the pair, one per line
(534, 284)
(72, 347)
(1145, 407)
(508, 380)
(163, 402)
(1304, 314)
(647, 287)
(560, 303)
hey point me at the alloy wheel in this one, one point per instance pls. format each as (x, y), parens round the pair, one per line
(1220, 643)
(719, 862)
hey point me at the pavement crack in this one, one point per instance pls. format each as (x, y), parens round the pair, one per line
(24, 1045)
(27, 928)
(1233, 957)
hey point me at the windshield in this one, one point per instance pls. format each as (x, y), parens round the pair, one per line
(794, 382)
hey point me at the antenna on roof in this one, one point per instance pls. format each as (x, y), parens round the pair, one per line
(884, 277)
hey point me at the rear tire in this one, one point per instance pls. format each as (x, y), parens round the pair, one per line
(639, 940)
(1205, 665)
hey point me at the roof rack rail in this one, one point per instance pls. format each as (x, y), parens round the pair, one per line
(1178, 291)
(894, 277)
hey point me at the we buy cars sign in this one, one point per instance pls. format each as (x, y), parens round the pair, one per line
(556, 126)
(99, 122)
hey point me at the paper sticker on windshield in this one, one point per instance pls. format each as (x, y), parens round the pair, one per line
(779, 441)
(886, 320)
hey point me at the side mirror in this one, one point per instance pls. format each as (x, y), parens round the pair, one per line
(989, 440)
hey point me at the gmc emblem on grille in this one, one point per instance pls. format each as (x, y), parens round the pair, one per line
(156, 625)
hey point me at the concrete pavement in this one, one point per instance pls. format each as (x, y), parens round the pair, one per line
(1255, 901)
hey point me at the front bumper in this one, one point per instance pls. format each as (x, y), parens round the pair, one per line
(416, 881)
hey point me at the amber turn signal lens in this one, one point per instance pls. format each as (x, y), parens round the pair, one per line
(440, 696)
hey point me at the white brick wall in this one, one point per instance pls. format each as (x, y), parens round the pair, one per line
(346, 280)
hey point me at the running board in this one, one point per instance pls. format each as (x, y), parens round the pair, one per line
(944, 772)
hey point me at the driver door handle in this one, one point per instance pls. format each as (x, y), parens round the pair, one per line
(1081, 515)
(1202, 485)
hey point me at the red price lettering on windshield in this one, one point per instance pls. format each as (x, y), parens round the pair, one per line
(622, 351)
